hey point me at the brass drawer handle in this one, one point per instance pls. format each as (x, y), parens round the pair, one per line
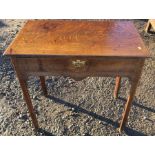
(78, 63)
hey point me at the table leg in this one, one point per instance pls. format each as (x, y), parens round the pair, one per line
(128, 104)
(43, 85)
(148, 27)
(117, 86)
(27, 98)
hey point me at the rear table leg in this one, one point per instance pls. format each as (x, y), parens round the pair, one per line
(117, 86)
(43, 85)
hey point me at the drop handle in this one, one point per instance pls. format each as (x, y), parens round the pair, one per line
(78, 63)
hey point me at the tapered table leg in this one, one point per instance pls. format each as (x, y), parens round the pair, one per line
(43, 85)
(128, 104)
(27, 98)
(117, 86)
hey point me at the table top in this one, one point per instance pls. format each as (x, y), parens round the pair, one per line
(78, 38)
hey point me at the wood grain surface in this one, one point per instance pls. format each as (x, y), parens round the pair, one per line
(78, 38)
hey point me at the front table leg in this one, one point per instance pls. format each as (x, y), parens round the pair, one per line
(27, 98)
(134, 82)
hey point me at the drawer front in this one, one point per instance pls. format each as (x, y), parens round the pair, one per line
(78, 66)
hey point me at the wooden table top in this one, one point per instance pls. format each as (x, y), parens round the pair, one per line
(78, 38)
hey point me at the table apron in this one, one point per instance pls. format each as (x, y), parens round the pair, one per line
(93, 66)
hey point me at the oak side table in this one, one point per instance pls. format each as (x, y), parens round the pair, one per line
(78, 49)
